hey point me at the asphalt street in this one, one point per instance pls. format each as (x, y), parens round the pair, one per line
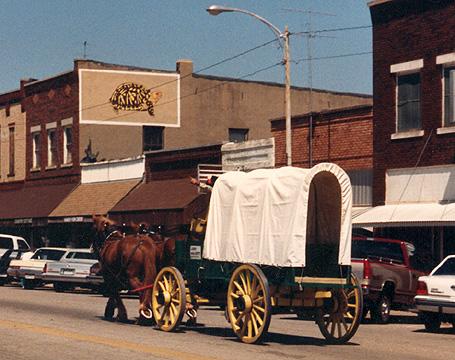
(42, 324)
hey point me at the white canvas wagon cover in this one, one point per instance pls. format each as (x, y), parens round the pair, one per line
(268, 216)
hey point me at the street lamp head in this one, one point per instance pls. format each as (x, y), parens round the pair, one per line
(218, 9)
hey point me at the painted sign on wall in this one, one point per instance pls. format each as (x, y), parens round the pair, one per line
(134, 98)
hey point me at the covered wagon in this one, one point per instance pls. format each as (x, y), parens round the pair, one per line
(276, 240)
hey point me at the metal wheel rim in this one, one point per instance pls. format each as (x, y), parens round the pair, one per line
(339, 326)
(168, 299)
(248, 303)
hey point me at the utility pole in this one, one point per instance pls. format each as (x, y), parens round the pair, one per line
(309, 36)
(287, 97)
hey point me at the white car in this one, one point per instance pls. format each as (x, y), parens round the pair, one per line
(435, 298)
(8, 242)
(73, 270)
(29, 271)
(11, 247)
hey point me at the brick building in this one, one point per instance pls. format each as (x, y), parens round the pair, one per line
(414, 123)
(100, 112)
(343, 136)
(12, 138)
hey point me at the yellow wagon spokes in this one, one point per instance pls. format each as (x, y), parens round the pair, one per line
(259, 299)
(244, 283)
(339, 318)
(257, 317)
(248, 303)
(237, 285)
(161, 285)
(168, 298)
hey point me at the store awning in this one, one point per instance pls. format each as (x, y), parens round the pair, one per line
(162, 202)
(409, 214)
(32, 201)
(358, 210)
(92, 199)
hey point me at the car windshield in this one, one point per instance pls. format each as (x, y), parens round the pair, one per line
(82, 255)
(48, 254)
(447, 268)
(363, 249)
(6, 243)
(22, 245)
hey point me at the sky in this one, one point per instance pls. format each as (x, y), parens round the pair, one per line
(41, 38)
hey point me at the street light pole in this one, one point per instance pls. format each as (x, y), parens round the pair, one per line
(282, 36)
(287, 97)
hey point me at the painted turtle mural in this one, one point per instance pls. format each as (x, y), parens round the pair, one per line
(134, 97)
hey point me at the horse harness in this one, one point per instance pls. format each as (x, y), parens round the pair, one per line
(123, 267)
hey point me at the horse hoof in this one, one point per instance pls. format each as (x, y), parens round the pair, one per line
(146, 313)
(109, 313)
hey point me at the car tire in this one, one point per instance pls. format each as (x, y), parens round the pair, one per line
(431, 321)
(2, 282)
(27, 284)
(380, 312)
(58, 287)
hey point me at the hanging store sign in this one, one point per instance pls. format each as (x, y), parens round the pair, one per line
(73, 219)
(23, 221)
(134, 98)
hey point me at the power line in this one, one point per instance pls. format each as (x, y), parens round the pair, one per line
(332, 57)
(243, 53)
(332, 30)
(206, 89)
(236, 56)
(238, 78)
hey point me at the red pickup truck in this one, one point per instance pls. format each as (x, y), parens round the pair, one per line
(386, 275)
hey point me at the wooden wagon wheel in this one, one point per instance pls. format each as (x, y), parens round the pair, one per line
(248, 303)
(168, 298)
(339, 321)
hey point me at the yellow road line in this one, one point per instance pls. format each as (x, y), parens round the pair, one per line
(115, 343)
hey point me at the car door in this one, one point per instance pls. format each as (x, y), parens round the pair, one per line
(442, 280)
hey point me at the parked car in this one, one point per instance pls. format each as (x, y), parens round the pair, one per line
(73, 270)
(388, 280)
(11, 242)
(435, 299)
(11, 247)
(29, 271)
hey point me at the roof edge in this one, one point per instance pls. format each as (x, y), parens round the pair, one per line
(377, 2)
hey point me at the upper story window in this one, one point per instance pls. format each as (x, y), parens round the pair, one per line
(408, 112)
(67, 144)
(11, 137)
(238, 135)
(449, 96)
(52, 150)
(36, 144)
(408, 102)
(362, 186)
(152, 138)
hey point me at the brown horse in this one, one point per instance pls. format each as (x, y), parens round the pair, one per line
(129, 261)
